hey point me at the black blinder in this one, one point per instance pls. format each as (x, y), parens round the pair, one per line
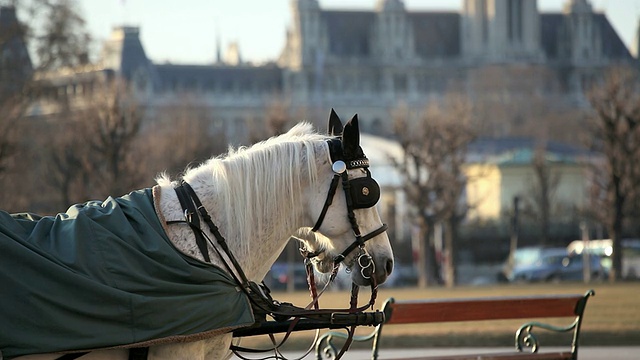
(365, 192)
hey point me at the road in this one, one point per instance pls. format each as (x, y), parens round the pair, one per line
(585, 353)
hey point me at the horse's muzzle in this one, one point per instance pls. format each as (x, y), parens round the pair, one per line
(367, 269)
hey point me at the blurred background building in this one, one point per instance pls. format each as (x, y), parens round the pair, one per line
(369, 62)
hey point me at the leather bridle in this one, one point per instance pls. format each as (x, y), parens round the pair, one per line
(359, 193)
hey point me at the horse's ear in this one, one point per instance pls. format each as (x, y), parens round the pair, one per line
(351, 139)
(335, 124)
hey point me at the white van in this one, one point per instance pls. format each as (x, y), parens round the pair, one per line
(604, 249)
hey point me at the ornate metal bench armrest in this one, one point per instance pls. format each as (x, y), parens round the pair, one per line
(526, 338)
(325, 349)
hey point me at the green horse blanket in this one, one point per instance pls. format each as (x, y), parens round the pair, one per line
(104, 274)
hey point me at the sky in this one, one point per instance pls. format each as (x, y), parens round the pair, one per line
(188, 31)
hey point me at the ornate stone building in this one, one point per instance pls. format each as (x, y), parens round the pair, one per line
(371, 61)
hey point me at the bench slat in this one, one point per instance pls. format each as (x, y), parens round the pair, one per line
(452, 310)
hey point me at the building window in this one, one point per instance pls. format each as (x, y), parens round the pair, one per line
(514, 20)
(400, 83)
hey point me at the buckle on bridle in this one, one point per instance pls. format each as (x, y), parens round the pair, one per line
(366, 264)
(187, 215)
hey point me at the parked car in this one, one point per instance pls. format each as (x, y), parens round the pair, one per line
(278, 277)
(550, 264)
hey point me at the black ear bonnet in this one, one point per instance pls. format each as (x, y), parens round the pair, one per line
(365, 191)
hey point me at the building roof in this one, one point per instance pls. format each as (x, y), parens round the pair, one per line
(349, 32)
(551, 27)
(503, 151)
(436, 34)
(612, 45)
(521, 150)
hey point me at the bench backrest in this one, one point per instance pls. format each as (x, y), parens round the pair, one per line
(452, 310)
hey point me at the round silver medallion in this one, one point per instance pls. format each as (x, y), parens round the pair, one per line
(339, 167)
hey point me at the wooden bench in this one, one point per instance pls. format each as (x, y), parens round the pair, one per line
(480, 309)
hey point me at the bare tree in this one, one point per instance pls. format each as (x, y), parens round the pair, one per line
(184, 134)
(15, 74)
(277, 121)
(61, 39)
(543, 189)
(11, 111)
(54, 30)
(522, 100)
(616, 133)
(113, 123)
(68, 160)
(91, 150)
(435, 149)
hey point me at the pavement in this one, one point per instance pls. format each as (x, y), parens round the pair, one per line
(584, 353)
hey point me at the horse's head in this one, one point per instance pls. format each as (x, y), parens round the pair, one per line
(348, 222)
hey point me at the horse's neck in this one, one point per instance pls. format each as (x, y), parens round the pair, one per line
(264, 248)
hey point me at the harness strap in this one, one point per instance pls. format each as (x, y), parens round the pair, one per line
(72, 356)
(327, 202)
(194, 221)
(141, 353)
(215, 231)
(346, 186)
(359, 242)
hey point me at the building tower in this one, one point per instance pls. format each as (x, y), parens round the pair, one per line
(305, 40)
(15, 64)
(393, 38)
(501, 30)
(123, 52)
(580, 40)
(636, 45)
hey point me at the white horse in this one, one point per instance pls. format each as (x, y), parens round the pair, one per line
(259, 196)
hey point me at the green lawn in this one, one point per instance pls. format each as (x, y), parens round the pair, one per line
(612, 316)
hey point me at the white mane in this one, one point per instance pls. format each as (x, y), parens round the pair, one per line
(260, 182)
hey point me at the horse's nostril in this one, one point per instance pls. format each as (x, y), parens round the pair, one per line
(389, 267)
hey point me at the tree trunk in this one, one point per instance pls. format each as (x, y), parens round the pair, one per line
(616, 232)
(450, 274)
(419, 255)
(425, 258)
